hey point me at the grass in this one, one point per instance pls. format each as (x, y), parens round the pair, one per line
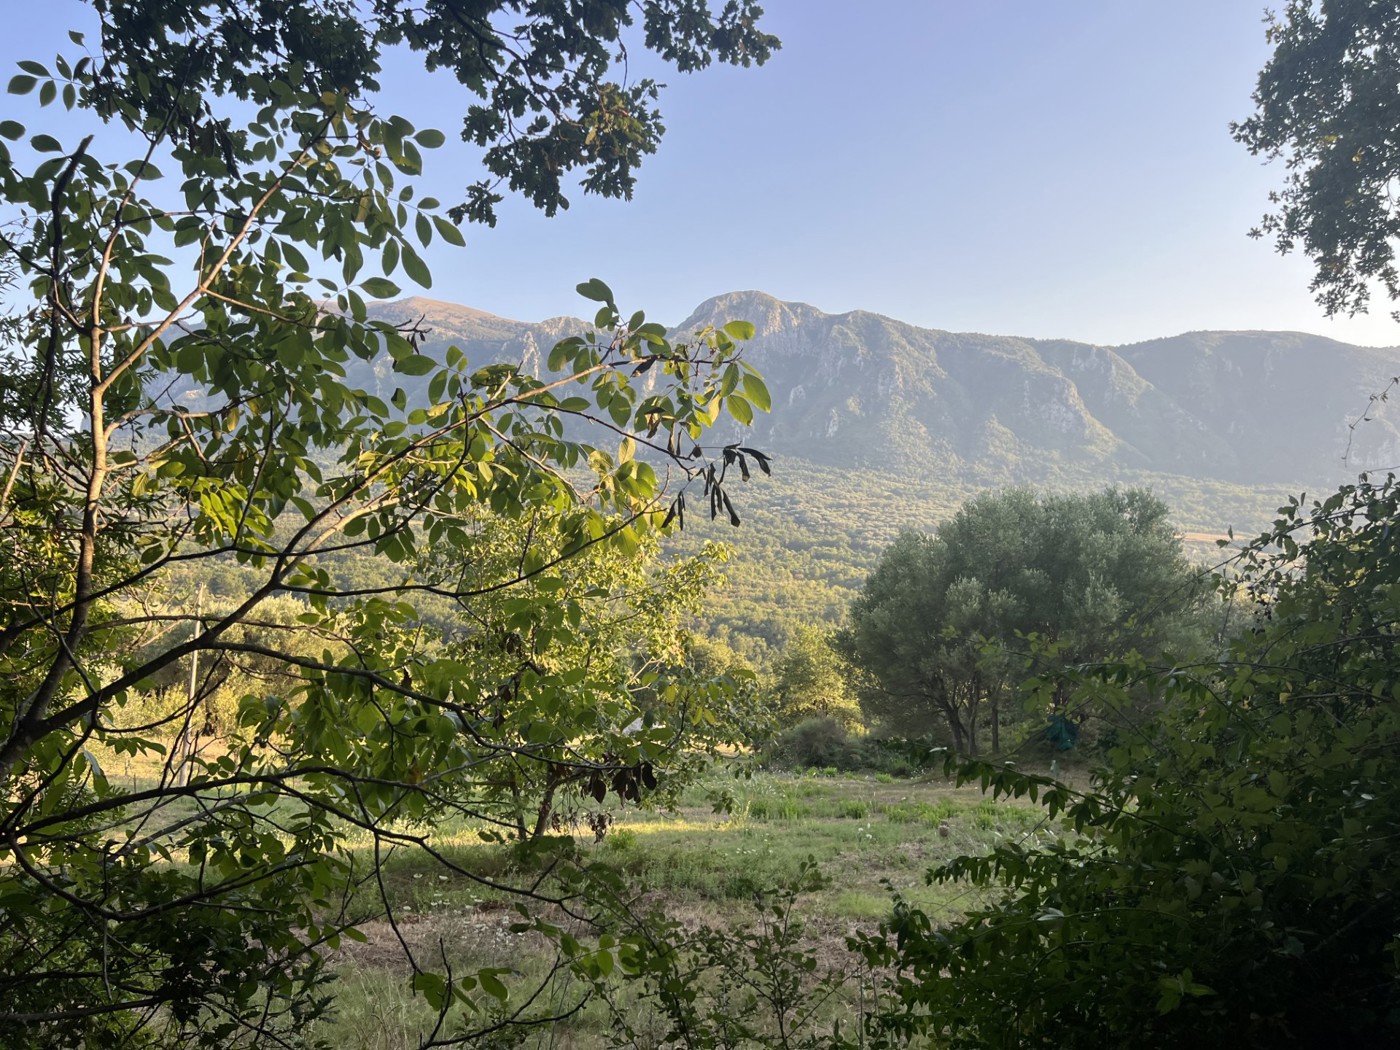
(871, 834)
(868, 836)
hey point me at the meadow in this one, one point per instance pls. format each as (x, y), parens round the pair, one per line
(866, 837)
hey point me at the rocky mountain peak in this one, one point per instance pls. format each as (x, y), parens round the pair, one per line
(767, 314)
(860, 388)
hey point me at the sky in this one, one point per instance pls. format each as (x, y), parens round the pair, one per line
(1046, 168)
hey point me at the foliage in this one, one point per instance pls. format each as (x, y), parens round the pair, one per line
(576, 670)
(823, 743)
(812, 680)
(1324, 104)
(1230, 878)
(548, 98)
(813, 743)
(937, 623)
(810, 543)
(174, 394)
(757, 985)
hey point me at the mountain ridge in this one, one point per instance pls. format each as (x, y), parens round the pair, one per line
(860, 388)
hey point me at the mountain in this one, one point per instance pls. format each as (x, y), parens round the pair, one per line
(860, 390)
(880, 426)
(1240, 407)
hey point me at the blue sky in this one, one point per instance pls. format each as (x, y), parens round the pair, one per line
(1053, 168)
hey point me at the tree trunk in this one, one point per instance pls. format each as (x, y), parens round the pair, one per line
(955, 726)
(996, 723)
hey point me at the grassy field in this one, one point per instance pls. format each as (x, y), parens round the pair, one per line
(867, 836)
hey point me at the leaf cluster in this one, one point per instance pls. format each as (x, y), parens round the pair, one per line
(1325, 104)
(548, 96)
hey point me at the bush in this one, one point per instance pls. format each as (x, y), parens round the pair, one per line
(823, 743)
(813, 742)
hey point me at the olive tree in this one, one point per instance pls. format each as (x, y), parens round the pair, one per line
(948, 623)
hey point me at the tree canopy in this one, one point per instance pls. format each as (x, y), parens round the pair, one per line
(1325, 104)
(184, 303)
(548, 78)
(945, 622)
(811, 680)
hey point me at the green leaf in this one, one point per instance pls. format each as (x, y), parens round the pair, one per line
(448, 232)
(432, 987)
(430, 138)
(739, 330)
(45, 144)
(415, 365)
(143, 169)
(11, 129)
(21, 85)
(757, 392)
(596, 290)
(380, 287)
(492, 986)
(416, 268)
(740, 409)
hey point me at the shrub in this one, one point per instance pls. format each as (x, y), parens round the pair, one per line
(822, 743)
(813, 742)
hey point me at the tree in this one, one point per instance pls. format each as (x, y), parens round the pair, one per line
(193, 906)
(943, 624)
(1325, 104)
(812, 680)
(1229, 878)
(575, 668)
